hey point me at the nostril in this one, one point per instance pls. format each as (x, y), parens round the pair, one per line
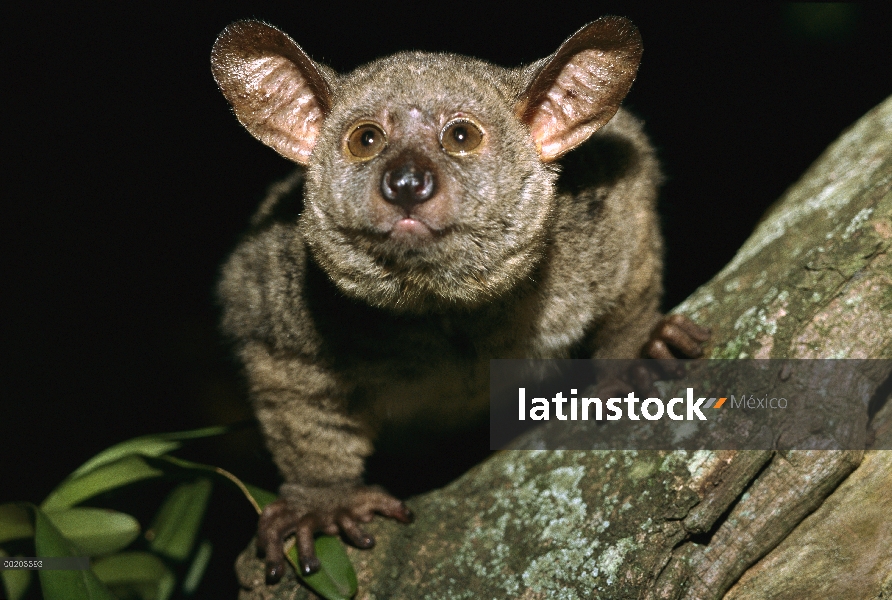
(407, 185)
(424, 186)
(386, 188)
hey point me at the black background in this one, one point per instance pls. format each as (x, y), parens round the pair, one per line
(126, 181)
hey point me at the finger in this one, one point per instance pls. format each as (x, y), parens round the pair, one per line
(273, 524)
(679, 339)
(374, 500)
(658, 349)
(671, 369)
(611, 387)
(306, 550)
(276, 523)
(354, 533)
(643, 374)
(400, 512)
(701, 334)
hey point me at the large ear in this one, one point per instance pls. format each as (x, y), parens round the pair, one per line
(275, 89)
(581, 85)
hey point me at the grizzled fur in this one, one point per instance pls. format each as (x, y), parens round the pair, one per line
(588, 285)
(342, 329)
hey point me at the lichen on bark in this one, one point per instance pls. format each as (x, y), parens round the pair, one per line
(813, 280)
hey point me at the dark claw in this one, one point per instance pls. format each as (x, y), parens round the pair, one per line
(402, 514)
(274, 572)
(309, 565)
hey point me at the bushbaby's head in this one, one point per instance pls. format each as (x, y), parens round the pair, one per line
(429, 181)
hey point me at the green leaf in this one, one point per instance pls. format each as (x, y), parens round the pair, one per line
(197, 568)
(96, 531)
(175, 527)
(63, 585)
(336, 580)
(149, 445)
(136, 573)
(15, 522)
(100, 479)
(14, 581)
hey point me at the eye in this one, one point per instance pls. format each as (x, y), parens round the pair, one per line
(461, 136)
(366, 141)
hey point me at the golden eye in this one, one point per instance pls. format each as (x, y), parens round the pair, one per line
(366, 141)
(461, 136)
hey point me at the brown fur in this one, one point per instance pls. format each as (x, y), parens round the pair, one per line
(341, 329)
(308, 348)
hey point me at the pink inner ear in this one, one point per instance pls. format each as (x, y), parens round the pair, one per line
(279, 107)
(274, 88)
(582, 99)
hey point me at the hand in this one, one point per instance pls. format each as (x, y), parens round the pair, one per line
(321, 510)
(676, 336)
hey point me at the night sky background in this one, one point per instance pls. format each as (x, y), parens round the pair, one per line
(127, 180)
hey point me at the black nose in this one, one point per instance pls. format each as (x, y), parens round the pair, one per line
(408, 184)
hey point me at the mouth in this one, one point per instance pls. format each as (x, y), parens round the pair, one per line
(410, 226)
(411, 231)
(406, 232)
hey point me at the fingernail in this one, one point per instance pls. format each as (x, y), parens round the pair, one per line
(310, 565)
(273, 574)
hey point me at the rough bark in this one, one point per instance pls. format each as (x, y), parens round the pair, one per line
(813, 281)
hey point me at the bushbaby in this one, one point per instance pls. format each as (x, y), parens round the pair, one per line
(434, 223)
